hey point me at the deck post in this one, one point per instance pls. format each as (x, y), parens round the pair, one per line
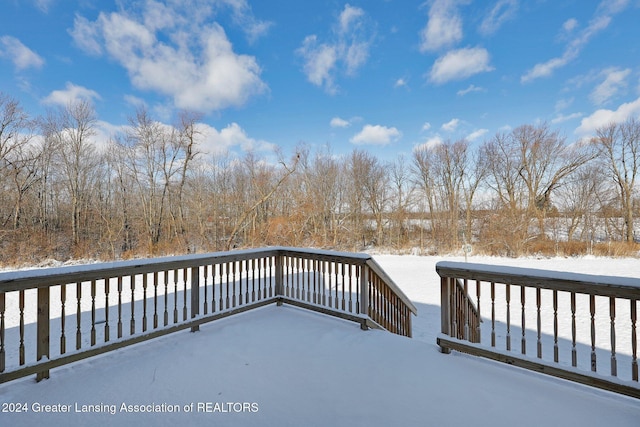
(445, 309)
(195, 295)
(279, 278)
(42, 346)
(364, 293)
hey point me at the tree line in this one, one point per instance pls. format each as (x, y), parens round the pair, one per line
(152, 190)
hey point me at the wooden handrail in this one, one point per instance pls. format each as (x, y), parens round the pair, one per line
(528, 305)
(91, 309)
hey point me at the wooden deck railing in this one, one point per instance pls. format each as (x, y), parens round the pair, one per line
(573, 326)
(51, 317)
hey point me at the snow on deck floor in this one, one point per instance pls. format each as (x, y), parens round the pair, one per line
(283, 366)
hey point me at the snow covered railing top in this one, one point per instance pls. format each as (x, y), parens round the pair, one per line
(575, 324)
(104, 306)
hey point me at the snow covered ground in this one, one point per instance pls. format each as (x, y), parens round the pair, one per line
(285, 366)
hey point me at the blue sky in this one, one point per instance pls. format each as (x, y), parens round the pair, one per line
(381, 75)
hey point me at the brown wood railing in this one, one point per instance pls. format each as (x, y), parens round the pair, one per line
(51, 317)
(573, 326)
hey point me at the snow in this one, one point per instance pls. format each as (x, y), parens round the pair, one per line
(286, 366)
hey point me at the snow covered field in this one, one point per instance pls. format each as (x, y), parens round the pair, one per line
(284, 366)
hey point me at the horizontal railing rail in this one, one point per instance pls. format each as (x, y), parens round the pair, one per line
(573, 326)
(54, 316)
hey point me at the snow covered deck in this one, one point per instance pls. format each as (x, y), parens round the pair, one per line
(286, 366)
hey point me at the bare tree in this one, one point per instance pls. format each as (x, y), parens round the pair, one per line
(618, 145)
(545, 161)
(265, 189)
(18, 155)
(70, 130)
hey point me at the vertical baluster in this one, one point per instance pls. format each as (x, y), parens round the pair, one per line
(556, 355)
(155, 299)
(493, 314)
(634, 341)
(132, 285)
(266, 274)
(316, 289)
(165, 278)
(253, 281)
(592, 310)
(145, 284)
(508, 290)
(522, 304)
(175, 296)
(350, 288)
(323, 266)
(2, 326)
(63, 318)
(246, 273)
(465, 309)
(213, 288)
(220, 286)
(478, 332)
(455, 295)
(234, 280)
(21, 309)
(93, 312)
(306, 280)
(290, 291)
(342, 271)
(78, 315)
(184, 294)
(299, 276)
(612, 314)
(106, 309)
(205, 305)
(288, 271)
(539, 321)
(335, 282)
(574, 352)
(226, 269)
(330, 282)
(119, 306)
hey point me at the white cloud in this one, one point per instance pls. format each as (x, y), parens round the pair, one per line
(563, 104)
(400, 83)
(451, 125)
(22, 57)
(337, 122)
(444, 26)
(347, 51)
(570, 25)
(501, 13)
(460, 64)
(174, 53)
(43, 5)
(476, 134)
(603, 117)
(426, 126)
(243, 17)
(70, 94)
(470, 89)
(376, 135)
(561, 118)
(601, 20)
(221, 141)
(320, 61)
(615, 80)
(349, 16)
(430, 143)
